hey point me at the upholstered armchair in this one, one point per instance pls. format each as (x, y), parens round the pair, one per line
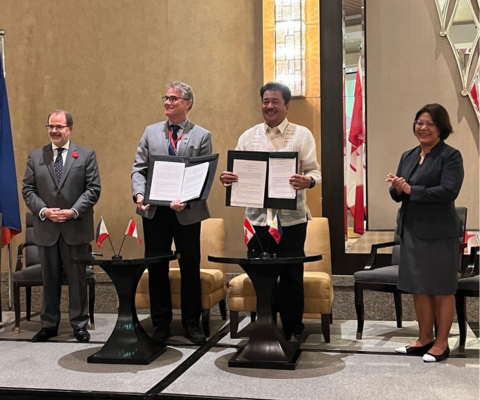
(28, 273)
(384, 279)
(317, 282)
(212, 275)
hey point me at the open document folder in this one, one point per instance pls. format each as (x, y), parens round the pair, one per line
(179, 178)
(263, 179)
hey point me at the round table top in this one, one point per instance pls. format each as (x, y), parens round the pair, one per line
(244, 257)
(126, 261)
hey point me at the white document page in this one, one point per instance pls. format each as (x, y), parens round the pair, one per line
(193, 181)
(280, 171)
(167, 179)
(249, 191)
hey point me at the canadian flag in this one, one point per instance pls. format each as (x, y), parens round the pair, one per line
(248, 231)
(132, 230)
(357, 139)
(474, 95)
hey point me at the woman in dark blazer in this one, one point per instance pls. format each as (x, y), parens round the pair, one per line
(427, 182)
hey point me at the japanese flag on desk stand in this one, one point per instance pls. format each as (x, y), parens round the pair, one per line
(276, 229)
(248, 231)
(132, 231)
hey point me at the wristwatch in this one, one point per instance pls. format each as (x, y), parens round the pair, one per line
(312, 185)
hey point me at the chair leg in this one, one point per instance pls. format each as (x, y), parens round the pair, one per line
(28, 301)
(359, 308)
(206, 321)
(397, 297)
(222, 305)
(233, 324)
(16, 306)
(253, 316)
(326, 327)
(462, 320)
(91, 303)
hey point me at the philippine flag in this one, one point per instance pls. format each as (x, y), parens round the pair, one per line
(132, 230)
(248, 231)
(276, 229)
(102, 232)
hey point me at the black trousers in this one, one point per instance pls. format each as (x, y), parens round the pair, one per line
(159, 233)
(290, 289)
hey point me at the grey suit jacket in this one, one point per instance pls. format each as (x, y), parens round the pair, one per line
(195, 141)
(79, 188)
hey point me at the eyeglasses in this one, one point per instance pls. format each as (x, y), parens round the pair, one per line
(173, 99)
(420, 123)
(57, 127)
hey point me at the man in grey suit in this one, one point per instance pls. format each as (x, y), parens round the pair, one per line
(61, 185)
(180, 221)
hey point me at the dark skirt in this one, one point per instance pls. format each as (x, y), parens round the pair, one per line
(428, 266)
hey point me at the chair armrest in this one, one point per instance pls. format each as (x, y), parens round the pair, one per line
(373, 254)
(19, 265)
(472, 266)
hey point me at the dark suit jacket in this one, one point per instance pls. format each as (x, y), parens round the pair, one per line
(431, 204)
(195, 141)
(79, 188)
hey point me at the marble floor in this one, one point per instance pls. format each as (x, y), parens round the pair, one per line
(346, 368)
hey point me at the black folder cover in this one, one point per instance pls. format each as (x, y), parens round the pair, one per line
(212, 160)
(287, 204)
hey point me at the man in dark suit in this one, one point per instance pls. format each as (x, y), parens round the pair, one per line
(180, 221)
(61, 185)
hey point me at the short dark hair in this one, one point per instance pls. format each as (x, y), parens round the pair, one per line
(277, 87)
(439, 116)
(68, 116)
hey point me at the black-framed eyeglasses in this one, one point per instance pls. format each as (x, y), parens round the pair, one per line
(57, 127)
(173, 99)
(420, 123)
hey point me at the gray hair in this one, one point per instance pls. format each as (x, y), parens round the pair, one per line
(183, 88)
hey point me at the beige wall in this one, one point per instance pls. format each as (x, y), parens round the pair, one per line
(108, 61)
(409, 65)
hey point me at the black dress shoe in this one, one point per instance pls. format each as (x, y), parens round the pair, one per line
(81, 334)
(194, 334)
(429, 357)
(44, 335)
(161, 334)
(295, 340)
(415, 350)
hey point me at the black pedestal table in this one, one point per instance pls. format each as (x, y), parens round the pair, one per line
(267, 347)
(128, 343)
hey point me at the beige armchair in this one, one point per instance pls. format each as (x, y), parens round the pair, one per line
(317, 282)
(212, 275)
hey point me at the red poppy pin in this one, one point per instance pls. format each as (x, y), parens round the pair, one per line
(75, 154)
